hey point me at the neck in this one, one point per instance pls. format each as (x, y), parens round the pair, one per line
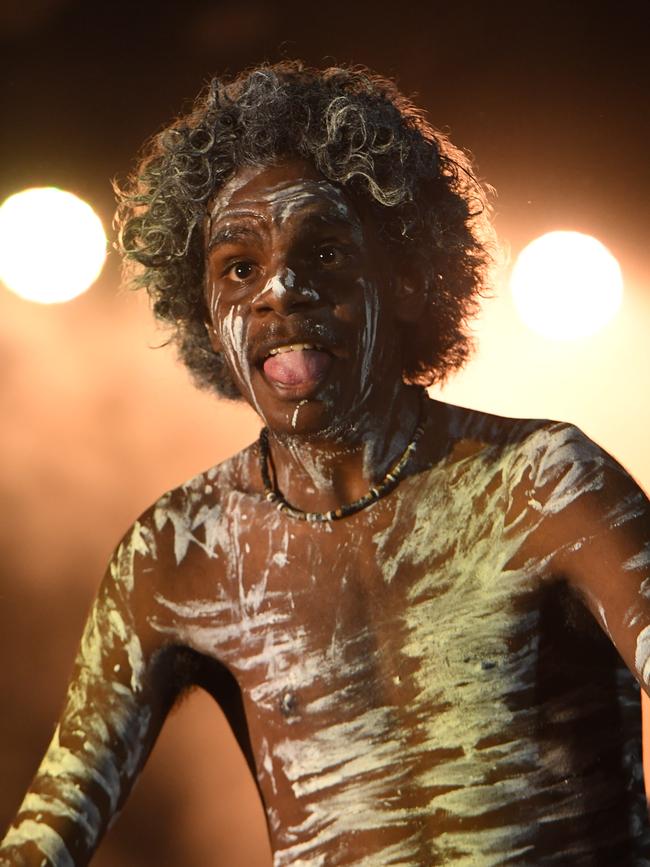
(318, 475)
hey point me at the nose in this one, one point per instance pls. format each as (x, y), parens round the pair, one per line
(284, 293)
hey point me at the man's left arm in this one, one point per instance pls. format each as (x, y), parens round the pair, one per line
(597, 526)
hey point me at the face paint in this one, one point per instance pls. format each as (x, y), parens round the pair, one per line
(279, 284)
(368, 335)
(284, 199)
(288, 256)
(233, 340)
(276, 286)
(294, 417)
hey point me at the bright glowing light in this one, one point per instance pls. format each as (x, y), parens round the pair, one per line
(566, 285)
(52, 245)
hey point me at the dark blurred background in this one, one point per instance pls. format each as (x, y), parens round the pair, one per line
(552, 100)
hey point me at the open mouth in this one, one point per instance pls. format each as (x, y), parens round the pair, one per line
(297, 364)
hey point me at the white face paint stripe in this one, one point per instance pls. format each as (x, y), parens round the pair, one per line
(294, 417)
(368, 335)
(289, 199)
(235, 342)
(278, 285)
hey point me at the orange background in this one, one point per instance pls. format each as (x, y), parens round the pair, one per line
(95, 425)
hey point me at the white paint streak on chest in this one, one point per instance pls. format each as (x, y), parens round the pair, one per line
(639, 561)
(459, 620)
(471, 648)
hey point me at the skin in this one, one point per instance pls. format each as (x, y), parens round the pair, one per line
(433, 680)
(299, 244)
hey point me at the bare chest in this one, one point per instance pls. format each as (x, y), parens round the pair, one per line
(374, 624)
(402, 676)
(389, 668)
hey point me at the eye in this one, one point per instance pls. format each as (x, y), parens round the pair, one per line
(330, 254)
(240, 271)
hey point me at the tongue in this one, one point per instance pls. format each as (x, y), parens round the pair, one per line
(297, 367)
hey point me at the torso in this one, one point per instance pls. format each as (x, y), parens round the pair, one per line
(417, 688)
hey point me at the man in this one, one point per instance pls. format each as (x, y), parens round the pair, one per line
(409, 611)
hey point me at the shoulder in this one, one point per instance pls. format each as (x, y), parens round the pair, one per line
(184, 525)
(553, 456)
(535, 435)
(471, 431)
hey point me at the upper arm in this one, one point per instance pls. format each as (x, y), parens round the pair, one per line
(115, 705)
(596, 532)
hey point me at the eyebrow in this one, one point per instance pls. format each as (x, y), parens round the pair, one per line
(230, 234)
(329, 219)
(316, 226)
(325, 220)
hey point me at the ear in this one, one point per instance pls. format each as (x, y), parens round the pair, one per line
(410, 299)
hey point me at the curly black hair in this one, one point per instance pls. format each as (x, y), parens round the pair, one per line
(359, 132)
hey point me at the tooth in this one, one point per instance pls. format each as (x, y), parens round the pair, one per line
(292, 347)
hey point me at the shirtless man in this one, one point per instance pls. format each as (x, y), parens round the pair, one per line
(412, 613)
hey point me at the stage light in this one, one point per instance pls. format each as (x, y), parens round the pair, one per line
(52, 245)
(566, 285)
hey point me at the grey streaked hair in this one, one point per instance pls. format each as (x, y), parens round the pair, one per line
(359, 132)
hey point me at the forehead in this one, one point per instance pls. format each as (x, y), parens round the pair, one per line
(277, 192)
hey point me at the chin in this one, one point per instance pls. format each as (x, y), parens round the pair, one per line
(313, 420)
(329, 410)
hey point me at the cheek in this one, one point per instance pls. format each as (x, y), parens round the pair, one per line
(212, 298)
(212, 293)
(356, 300)
(369, 315)
(231, 333)
(228, 336)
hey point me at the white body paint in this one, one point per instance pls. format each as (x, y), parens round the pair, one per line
(346, 761)
(103, 708)
(407, 715)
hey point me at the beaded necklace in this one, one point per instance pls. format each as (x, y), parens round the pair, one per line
(387, 484)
